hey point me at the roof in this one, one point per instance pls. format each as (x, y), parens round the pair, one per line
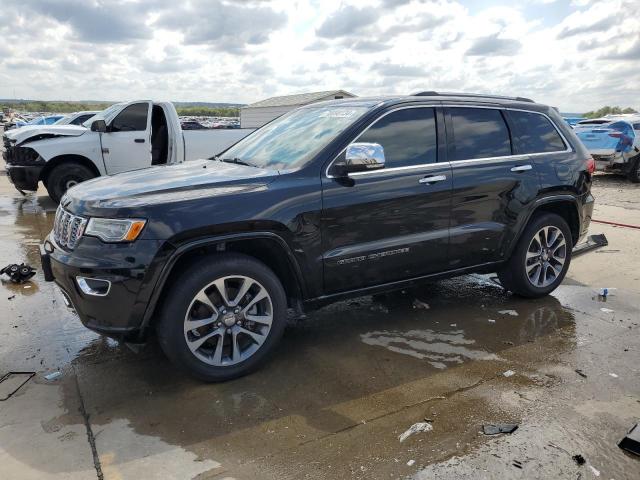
(298, 99)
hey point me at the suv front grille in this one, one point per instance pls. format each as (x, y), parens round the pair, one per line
(68, 228)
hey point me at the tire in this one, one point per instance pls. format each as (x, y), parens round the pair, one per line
(64, 176)
(528, 260)
(193, 296)
(634, 170)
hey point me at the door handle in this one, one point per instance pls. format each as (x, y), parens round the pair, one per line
(521, 168)
(432, 179)
(139, 140)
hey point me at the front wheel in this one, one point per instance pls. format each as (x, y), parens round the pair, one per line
(64, 176)
(541, 258)
(222, 317)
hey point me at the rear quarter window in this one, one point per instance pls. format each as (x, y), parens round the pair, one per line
(535, 133)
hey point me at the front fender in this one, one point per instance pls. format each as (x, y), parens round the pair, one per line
(86, 145)
(169, 259)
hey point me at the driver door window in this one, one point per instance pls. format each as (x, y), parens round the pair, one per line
(131, 119)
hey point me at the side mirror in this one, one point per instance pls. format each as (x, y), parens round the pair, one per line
(362, 157)
(99, 126)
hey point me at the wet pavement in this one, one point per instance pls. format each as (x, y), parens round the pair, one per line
(344, 385)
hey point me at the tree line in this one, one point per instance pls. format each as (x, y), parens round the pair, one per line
(608, 111)
(68, 107)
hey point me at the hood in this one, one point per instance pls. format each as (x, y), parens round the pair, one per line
(187, 181)
(25, 133)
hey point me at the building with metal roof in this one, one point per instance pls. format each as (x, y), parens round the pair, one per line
(257, 114)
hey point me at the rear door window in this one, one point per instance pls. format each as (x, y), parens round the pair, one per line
(479, 133)
(535, 133)
(131, 119)
(408, 137)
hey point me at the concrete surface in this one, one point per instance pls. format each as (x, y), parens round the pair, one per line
(344, 385)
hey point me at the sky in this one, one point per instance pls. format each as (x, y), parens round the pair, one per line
(577, 55)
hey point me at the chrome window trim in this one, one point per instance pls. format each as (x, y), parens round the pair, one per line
(454, 163)
(383, 170)
(513, 156)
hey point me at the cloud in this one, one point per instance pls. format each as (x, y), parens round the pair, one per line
(601, 25)
(494, 46)
(395, 70)
(422, 24)
(226, 27)
(347, 21)
(113, 22)
(632, 53)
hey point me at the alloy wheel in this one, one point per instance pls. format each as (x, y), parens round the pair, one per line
(228, 320)
(546, 256)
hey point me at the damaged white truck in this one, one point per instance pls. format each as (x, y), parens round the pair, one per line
(125, 136)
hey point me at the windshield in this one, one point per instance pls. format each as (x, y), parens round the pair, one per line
(293, 139)
(64, 120)
(103, 115)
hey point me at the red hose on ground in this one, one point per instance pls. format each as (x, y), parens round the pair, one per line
(616, 224)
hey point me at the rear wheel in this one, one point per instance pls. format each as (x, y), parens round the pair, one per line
(541, 259)
(633, 174)
(65, 176)
(222, 317)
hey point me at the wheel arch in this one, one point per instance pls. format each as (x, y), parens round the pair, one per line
(67, 158)
(266, 247)
(564, 205)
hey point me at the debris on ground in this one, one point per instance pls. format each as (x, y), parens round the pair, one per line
(581, 373)
(607, 310)
(453, 325)
(595, 471)
(491, 320)
(18, 273)
(509, 373)
(497, 428)
(415, 428)
(11, 297)
(410, 463)
(420, 304)
(513, 313)
(614, 375)
(631, 441)
(517, 464)
(579, 459)
(53, 375)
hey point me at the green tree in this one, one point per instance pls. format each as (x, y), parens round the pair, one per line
(608, 111)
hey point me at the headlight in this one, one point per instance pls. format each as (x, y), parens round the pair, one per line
(114, 230)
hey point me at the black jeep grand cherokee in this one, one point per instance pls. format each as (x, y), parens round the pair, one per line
(332, 200)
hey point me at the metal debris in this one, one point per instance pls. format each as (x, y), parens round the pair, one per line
(581, 373)
(410, 463)
(18, 273)
(631, 442)
(415, 428)
(509, 373)
(495, 429)
(53, 375)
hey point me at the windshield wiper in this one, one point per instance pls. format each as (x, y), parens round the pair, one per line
(237, 161)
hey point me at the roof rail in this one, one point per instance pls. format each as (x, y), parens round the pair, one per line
(431, 93)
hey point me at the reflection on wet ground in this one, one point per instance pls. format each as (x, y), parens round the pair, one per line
(343, 385)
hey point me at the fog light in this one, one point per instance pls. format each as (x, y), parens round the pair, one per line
(94, 286)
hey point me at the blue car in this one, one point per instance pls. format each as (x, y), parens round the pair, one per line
(48, 120)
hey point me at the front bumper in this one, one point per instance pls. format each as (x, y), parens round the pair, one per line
(24, 177)
(128, 267)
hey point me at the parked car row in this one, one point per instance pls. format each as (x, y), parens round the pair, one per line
(329, 201)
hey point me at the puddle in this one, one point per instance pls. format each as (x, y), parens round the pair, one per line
(439, 349)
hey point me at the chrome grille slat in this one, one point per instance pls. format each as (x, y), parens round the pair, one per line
(68, 228)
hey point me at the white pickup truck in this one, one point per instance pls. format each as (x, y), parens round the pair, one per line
(125, 136)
